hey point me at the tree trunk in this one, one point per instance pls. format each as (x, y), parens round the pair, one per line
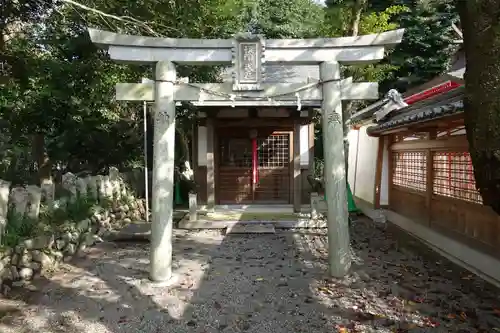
(480, 20)
(347, 106)
(42, 159)
(3, 59)
(356, 10)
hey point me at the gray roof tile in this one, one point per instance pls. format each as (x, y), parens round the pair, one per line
(419, 115)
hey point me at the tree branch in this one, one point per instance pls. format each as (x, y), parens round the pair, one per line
(124, 19)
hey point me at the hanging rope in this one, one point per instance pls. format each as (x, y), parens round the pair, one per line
(234, 97)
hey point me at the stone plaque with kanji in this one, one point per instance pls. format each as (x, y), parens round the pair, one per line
(248, 58)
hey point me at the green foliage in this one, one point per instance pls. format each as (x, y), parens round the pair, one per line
(339, 16)
(52, 219)
(61, 86)
(75, 211)
(288, 19)
(427, 46)
(380, 21)
(17, 228)
(424, 53)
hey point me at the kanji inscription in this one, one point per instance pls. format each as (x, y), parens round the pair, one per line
(248, 63)
(248, 58)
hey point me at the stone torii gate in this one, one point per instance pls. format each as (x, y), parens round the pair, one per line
(247, 53)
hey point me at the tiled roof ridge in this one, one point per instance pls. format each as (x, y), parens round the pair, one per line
(426, 114)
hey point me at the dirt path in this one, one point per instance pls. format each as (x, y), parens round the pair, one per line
(265, 284)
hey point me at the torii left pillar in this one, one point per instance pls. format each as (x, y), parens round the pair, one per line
(163, 173)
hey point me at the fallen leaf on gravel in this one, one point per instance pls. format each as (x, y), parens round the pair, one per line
(342, 330)
(431, 323)
(325, 290)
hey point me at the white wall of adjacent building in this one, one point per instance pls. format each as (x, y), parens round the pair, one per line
(363, 152)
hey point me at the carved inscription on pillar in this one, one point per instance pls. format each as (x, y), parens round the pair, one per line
(248, 57)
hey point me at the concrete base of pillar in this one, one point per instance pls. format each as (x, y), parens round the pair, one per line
(174, 280)
(314, 205)
(193, 207)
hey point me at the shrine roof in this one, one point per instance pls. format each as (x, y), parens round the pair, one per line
(429, 93)
(441, 106)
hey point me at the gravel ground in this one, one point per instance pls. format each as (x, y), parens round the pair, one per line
(261, 284)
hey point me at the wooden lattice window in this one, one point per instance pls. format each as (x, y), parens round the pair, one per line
(453, 176)
(274, 151)
(236, 152)
(409, 170)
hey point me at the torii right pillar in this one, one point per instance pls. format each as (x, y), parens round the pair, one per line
(339, 254)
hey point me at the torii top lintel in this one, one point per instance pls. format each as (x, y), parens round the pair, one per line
(347, 50)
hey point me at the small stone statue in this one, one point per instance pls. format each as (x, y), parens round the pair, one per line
(316, 184)
(186, 175)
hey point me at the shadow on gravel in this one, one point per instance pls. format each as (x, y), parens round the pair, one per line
(260, 283)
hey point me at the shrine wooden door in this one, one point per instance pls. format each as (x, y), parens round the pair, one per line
(253, 170)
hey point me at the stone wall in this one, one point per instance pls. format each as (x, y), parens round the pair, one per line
(111, 205)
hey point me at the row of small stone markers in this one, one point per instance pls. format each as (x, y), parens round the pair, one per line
(34, 256)
(26, 200)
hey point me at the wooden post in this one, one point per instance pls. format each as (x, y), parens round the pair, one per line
(311, 154)
(378, 172)
(210, 165)
(311, 148)
(297, 182)
(194, 148)
(390, 142)
(429, 177)
(339, 255)
(163, 173)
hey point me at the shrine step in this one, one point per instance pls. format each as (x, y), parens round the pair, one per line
(254, 228)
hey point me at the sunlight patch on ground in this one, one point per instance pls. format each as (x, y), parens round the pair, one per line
(252, 216)
(256, 284)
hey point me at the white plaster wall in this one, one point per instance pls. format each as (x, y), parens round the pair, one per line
(366, 166)
(304, 145)
(352, 138)
(202, 145)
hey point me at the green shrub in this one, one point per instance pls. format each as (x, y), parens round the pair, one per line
(17, 228)
(49, 220)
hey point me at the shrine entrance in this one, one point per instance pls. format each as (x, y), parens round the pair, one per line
(254, 166)
(252, 87)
